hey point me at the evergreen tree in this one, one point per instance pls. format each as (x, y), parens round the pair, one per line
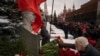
(10, 47)
(55, 18)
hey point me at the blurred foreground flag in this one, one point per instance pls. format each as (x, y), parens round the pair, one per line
(33, 6)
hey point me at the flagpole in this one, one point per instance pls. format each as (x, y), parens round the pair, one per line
(52, 10)
(52, 7)
(51, 15)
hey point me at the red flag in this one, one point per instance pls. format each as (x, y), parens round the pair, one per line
(33, 6)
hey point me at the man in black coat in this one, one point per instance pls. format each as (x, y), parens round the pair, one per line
(65, 29)
(44, 33)
(84, 48)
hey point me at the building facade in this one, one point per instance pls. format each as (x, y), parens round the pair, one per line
(87, 13)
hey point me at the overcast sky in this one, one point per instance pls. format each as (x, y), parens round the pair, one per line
(59, 4)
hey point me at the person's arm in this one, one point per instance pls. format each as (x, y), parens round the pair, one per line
(65, 45)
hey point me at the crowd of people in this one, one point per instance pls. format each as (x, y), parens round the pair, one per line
(81, 29)
(86, 37)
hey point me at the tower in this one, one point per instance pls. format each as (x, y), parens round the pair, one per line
(73, 7)
(64, 12)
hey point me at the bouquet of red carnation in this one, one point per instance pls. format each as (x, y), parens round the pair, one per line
(51, 48)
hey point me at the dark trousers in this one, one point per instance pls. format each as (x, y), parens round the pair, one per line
(66, 35)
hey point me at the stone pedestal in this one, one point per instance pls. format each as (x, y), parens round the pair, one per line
(31, 41)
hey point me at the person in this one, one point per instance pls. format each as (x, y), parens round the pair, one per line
(84, 48)
(44, 33)
(65, 29)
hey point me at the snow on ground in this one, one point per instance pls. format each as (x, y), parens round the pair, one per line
(59, 32)
(54, 31)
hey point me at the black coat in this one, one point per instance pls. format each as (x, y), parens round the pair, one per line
(45, 35)
(90, 51)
